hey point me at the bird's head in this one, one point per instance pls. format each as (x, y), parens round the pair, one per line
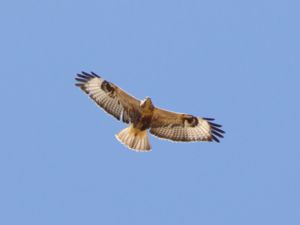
(147, 104)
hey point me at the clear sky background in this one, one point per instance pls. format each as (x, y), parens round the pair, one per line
(236, 61)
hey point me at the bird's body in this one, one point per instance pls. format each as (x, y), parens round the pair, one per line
(143, 115)
(144, 122)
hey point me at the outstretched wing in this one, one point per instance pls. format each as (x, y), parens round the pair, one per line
(109, 97)
(184, 127)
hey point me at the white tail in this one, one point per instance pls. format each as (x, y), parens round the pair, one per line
(134, 139)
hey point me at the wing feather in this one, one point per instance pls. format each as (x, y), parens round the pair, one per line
(109, 97)
(183, 127)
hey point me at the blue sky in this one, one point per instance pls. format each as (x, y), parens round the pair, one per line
(236, 61)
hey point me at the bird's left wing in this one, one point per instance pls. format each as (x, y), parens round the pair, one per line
(109, 97)
(184, 127)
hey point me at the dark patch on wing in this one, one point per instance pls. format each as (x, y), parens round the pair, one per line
(107, 87)
(192, 120)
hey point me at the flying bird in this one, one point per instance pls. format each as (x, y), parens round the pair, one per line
(143, 115)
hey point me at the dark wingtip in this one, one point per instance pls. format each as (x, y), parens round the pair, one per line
(215, 139)
(216, 132)
(219, 130)
(94, 74)
(84, 77)
(215, 124)
(86, 74)
(81, 79)
(209, 119)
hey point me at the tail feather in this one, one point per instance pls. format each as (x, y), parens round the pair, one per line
(134, 139)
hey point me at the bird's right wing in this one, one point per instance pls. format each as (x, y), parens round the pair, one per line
(184, 127)
(109, 97)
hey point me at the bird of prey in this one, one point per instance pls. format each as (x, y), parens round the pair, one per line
(143, 115)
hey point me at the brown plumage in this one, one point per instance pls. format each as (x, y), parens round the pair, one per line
(143, 115)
